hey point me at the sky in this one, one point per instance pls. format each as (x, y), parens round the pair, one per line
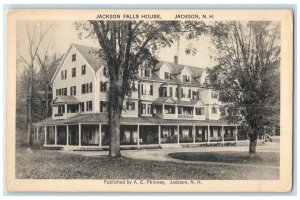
(63, 33)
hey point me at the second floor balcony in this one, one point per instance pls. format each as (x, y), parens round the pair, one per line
(168, 108)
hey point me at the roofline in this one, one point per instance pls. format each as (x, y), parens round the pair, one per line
(65, 56)
(63, 60)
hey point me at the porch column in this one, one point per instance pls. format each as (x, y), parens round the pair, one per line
(55, 134)
(34, 134)
(37, 134)
(194, 134)
(67, 135)
(138, 135)
(79, 134)
(222, 134)
(159, 129)
(178, 134)
(45, 135)
(208, 134)
(100, 135)
(236, 134)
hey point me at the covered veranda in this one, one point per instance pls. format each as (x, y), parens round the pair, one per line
(91, 130)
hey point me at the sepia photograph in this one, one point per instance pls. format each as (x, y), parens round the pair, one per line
(173, 100)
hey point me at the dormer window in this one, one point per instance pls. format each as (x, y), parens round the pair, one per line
(167, 75)
(147, 73)
(186, 78)
(73, 57)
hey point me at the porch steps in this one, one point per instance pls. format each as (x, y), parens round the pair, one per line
(170, 146)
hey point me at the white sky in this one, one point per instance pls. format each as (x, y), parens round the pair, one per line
(63, 34)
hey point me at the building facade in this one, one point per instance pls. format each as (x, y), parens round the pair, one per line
(170, 104)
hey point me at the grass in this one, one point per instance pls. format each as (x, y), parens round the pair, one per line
(44, 164)
(263, 158)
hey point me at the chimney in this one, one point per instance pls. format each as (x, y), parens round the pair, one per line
(176, 59)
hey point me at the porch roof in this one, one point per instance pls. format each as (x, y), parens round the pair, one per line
(59, 100)
(195, 122)
(96, 118)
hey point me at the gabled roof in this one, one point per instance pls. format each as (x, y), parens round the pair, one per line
(60, 100)
(192, 102)
(162, 100)
(90, 54)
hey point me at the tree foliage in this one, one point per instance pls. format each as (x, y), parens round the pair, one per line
(247, 75)
(36, 65)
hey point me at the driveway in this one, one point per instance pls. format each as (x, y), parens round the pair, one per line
(162, 154)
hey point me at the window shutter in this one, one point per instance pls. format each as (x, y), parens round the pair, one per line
(133, 105)
(151, 89)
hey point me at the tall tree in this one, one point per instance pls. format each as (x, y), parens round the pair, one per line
(126, 45)
(247, 75)
(29, 58)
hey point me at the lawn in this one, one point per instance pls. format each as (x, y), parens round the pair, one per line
(45, 164)
(263, 158)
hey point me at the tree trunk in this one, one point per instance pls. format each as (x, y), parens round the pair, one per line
(252, 147)
(115, 109)
(114, 148)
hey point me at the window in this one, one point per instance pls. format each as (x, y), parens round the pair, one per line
(149, 109)
(103, 106)
(64, 92)
(190, 93)
(170, 109)
(86, 88)
(214, 94)
(143, 108)
(103, 86)
(91, 87)
(162, 91)
(167, 75)
(89, 106)
(58, 92)
(195, 95)
(199, 111)
(83, 89)
(130, 105)
(63, 74)
(143, 89)
(151, 90)
(182, 93)
(83, 69)
(61, 109)
(214, 110)
(147, 73)
(73, 57)
(170, 91)
(186, 78)
(73, 90)
(74, 72)
(82, 106)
